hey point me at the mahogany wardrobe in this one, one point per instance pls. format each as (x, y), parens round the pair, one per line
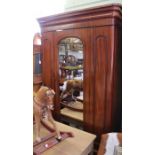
(99, 29)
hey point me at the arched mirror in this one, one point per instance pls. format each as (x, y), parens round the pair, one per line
(71, 77)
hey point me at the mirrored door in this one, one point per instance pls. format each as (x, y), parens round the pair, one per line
(71, 77)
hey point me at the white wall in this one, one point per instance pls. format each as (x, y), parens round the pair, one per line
(80, 4)
(47, 7)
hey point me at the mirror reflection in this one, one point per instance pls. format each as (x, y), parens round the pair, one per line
(71, 75)
(37, 63)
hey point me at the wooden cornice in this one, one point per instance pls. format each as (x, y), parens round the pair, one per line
(85, 15)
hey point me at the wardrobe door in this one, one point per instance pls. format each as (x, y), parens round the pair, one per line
(103, 78)
(85, 36)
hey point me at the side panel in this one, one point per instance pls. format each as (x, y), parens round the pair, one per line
(117, 80)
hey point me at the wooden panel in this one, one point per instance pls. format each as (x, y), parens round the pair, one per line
(46, 60)
(49, 65)
(117, 80)
(103, 67)
(80, 24)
